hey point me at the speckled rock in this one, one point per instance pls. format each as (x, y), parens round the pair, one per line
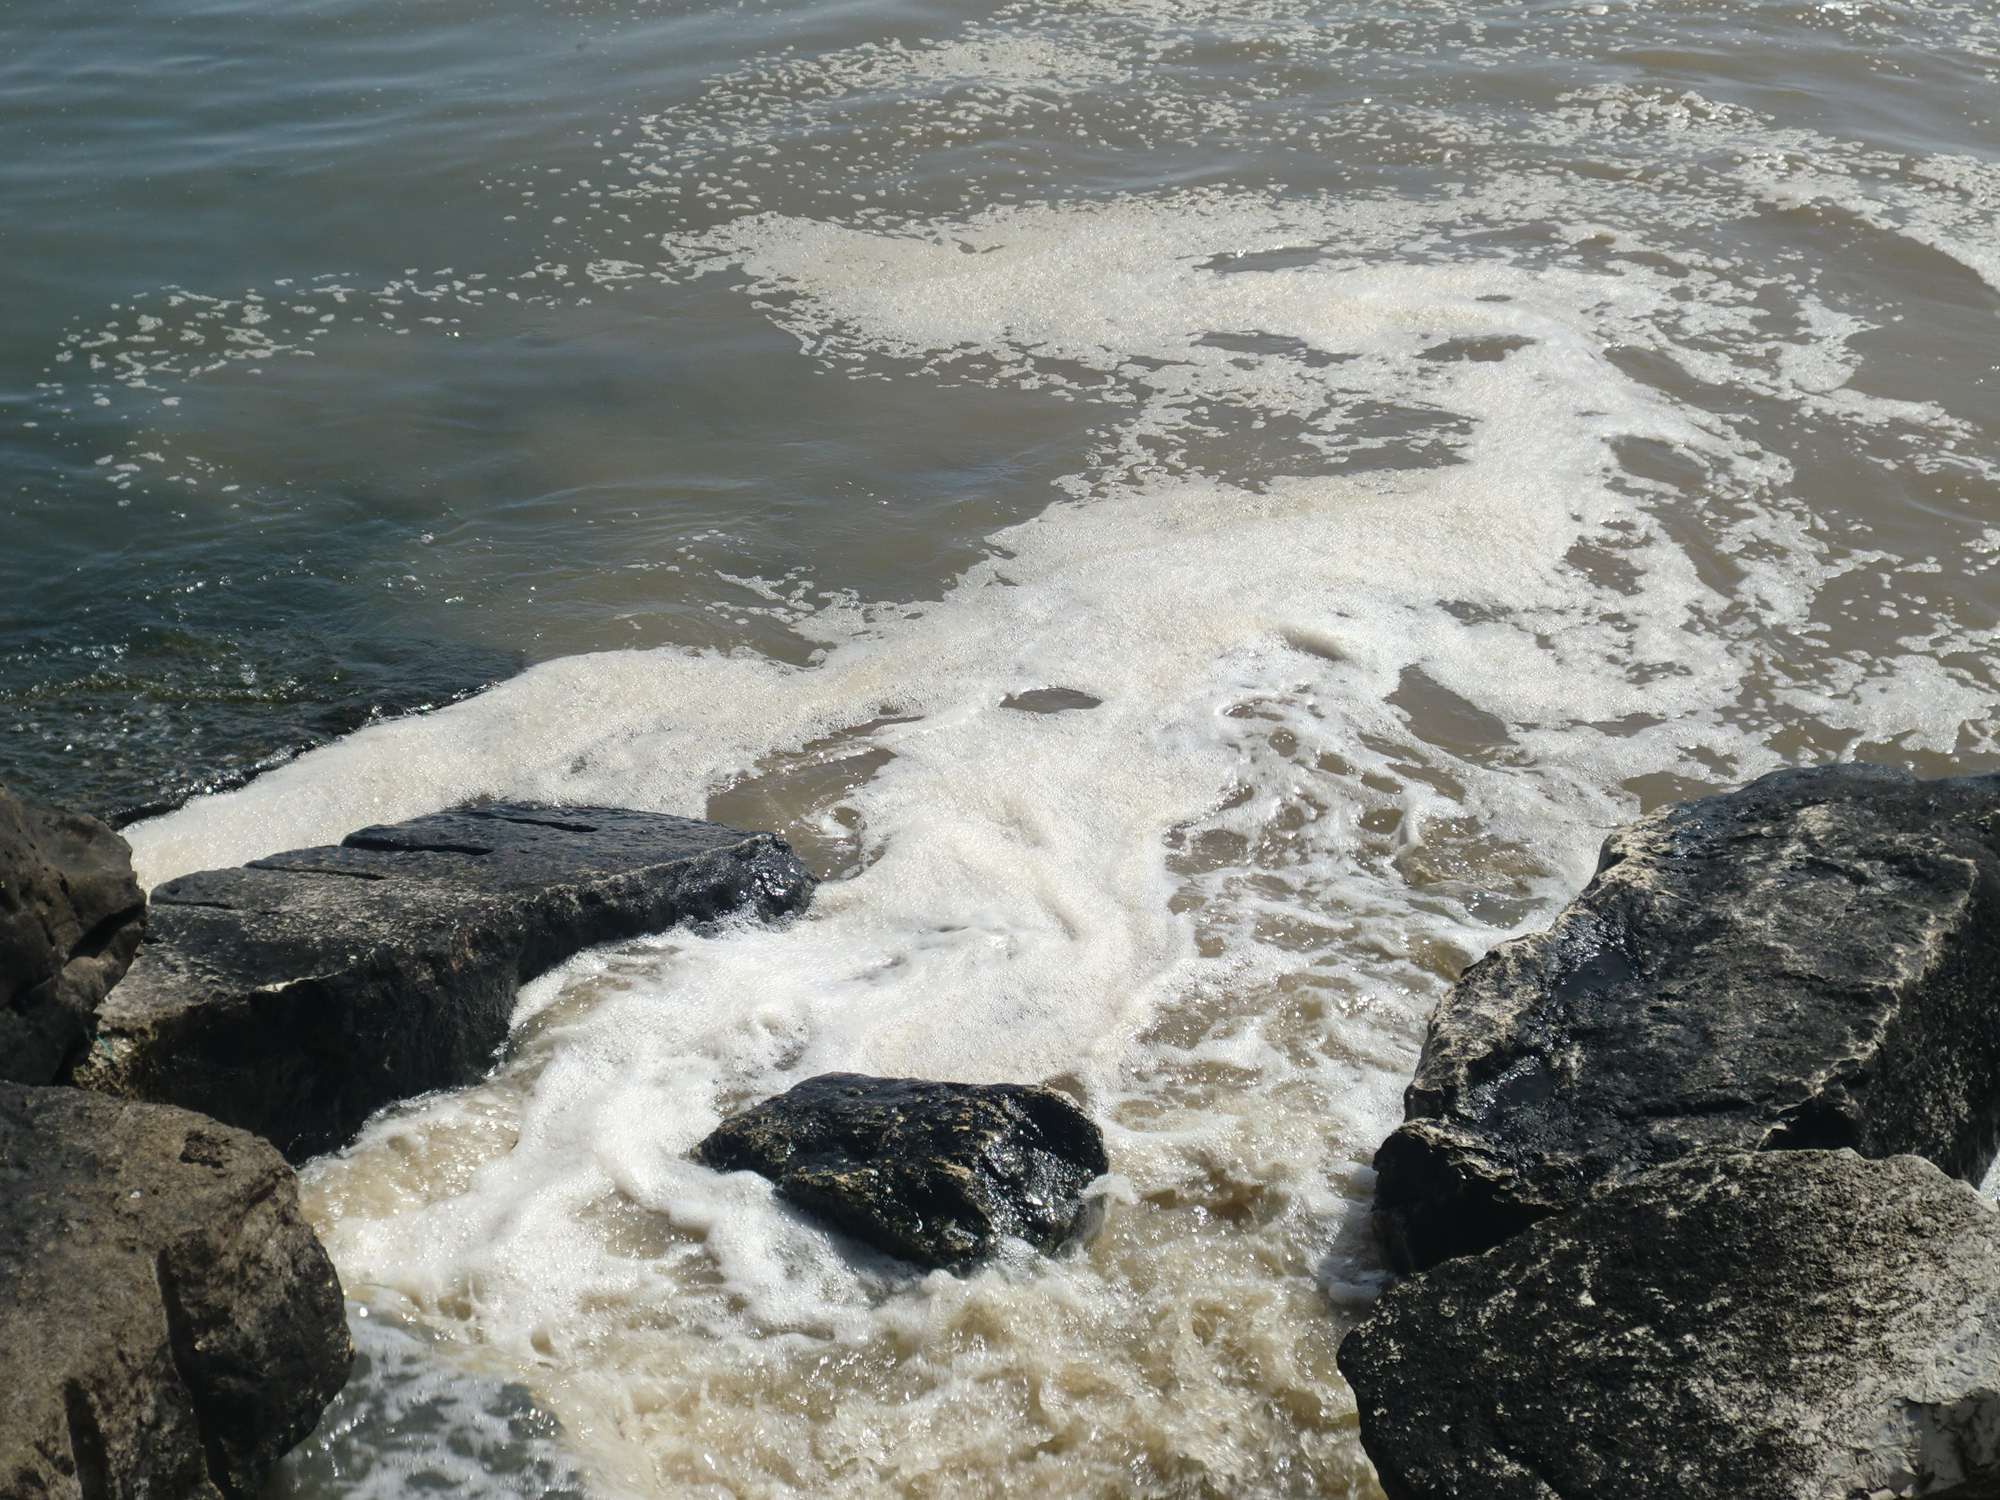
(169, 1325)
(1811, 961)
(937, 1173)
(71, 915)
(1798, 1325)
(296, 995)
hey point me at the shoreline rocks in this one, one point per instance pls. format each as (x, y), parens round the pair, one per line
(1810, 961)
(71, 917)
(936, 1173)
(296, 995)
(170, 1325)
(1732, 1326)
(1676, 1175)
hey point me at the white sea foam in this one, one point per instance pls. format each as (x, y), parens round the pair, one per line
(1358, 719)
(1432, 522)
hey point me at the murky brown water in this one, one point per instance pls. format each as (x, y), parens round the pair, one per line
(1408, 440)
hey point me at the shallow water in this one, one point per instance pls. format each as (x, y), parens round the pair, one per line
(1429, 433)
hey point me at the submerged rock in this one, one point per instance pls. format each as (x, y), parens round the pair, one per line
(937, 1173)
(1732, 1326)
(410, 1412)
(1812, 961)
(71, 915)
(296, 995)
(1050, 700)
(169, 1325)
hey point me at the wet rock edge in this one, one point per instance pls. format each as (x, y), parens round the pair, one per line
(1488, 1372)
(171, 1323)
(939, 1174)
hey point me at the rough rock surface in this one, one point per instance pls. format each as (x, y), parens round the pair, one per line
(296, 995)
(71, 915)
(1811, 961)
(169, 1325)
(936, 1173)
(1804, 1325)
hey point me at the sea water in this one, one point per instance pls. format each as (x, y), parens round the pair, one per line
(1410, 438)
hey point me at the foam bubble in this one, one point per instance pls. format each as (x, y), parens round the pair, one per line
(1354, 723)
(1432, 525)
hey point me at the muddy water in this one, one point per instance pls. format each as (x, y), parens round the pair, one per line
(1194, 518)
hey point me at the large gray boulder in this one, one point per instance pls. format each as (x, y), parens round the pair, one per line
(71, 915)
(169, 1325)
(936, 1173)
(296, 995)
(1799, 1325)
(1811, 961)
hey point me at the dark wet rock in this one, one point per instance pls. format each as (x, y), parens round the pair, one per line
(1478, 351)
(1732, 1326)
(937, 1173)
(296, 995)
(71, 915)
(169, 1325)
(1811, 961)
(1050, 700)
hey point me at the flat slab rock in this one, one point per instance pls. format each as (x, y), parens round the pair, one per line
(1799, 1325)
(1811, 961)
(296, 995)
(71, 915)
(936, 1173)
(169, 1326)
